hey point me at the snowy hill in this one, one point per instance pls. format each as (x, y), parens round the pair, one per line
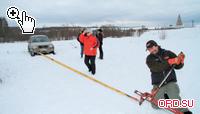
(35, 85)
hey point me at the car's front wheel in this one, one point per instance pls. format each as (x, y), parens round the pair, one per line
(32, 53)
(53, 52)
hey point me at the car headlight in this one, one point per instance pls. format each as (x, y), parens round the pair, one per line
(51, 46)
(35, 47)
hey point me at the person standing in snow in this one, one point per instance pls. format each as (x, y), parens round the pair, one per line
(81, 44)
(100, 36)
(160, 62)
(91, 44)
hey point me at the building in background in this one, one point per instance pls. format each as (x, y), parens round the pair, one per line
(179, 23)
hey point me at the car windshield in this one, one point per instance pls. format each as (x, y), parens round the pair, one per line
(40, 39)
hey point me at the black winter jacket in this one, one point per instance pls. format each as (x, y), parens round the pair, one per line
(100, 36)
(78, 38)
(159, 66)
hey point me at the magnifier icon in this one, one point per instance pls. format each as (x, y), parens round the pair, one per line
(13, 13)
(25, 22)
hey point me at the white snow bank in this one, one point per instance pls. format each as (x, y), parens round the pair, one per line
(35, 85)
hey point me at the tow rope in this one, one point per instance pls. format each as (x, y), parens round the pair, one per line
(89, 77)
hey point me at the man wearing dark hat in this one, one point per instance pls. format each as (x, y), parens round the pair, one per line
(160, 62)
(100, 36)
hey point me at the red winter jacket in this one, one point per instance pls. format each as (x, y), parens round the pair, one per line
(90, 44)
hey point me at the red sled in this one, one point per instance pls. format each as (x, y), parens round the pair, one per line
(150, 98)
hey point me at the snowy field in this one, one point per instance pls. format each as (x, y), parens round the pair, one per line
(35, 85)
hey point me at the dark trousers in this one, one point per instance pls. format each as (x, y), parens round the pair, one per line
(101, 51)
(81, 50)
(90, 63)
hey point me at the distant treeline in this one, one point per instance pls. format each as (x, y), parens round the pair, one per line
(65, 33)
(12, 34)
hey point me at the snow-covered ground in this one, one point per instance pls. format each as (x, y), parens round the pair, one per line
(35, 85)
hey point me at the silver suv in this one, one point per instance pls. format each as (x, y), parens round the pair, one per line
(40, 43)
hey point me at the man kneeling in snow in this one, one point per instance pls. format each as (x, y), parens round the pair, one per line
(160, 62)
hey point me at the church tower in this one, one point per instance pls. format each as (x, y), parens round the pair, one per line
(179, 22)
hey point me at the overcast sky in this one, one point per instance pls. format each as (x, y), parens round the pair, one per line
(97, 12)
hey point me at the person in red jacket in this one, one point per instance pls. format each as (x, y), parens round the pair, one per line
(91, 44)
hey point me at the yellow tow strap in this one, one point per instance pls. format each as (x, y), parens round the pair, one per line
(89, 77)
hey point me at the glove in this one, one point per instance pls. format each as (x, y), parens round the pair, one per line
(182, 57)
(174, 61)
(154, 91)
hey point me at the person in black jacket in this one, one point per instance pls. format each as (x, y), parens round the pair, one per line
(81, 44)
(100, 36)
(160, 62)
